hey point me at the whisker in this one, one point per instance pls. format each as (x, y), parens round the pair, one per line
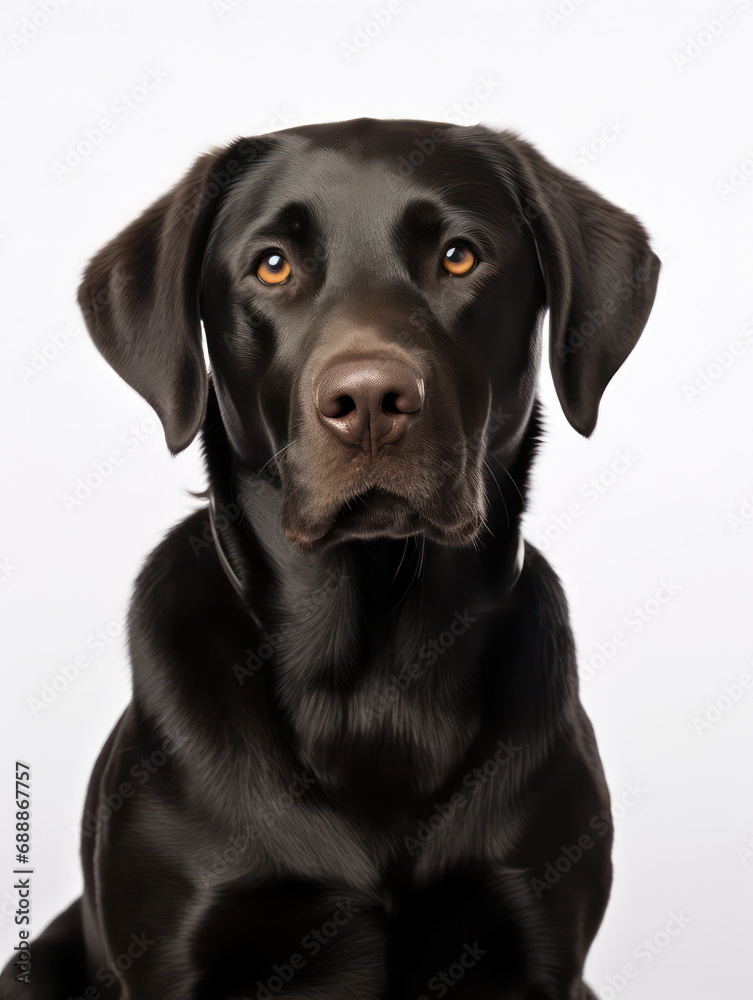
(284, 448)
(491, 473)
(402, 560)
(509, 477)
(423, 553)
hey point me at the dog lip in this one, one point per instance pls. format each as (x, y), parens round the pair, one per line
(366, 513)
(373, 504)
(371, 513)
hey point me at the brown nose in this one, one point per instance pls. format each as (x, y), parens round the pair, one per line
(368, 400)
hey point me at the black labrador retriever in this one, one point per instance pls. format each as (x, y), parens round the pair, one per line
(355, 765)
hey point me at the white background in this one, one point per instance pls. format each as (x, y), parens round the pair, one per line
(678, 129)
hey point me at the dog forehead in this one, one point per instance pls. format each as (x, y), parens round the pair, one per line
(406, 156)
(359, 177)
(364, 197)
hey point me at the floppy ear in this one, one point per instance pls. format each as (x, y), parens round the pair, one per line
(600, 276)
(140, 299)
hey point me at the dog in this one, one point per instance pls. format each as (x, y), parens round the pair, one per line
(355, 764)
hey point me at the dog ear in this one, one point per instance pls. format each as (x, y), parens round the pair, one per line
(140, 298)
(600, 276)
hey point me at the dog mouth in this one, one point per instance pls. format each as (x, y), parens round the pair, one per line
(379, 513)
(376, 512)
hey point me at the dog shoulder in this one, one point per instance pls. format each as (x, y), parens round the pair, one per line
(182, 590)
(546, 588)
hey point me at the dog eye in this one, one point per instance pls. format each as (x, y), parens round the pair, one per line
(273, 269)
(459, 260)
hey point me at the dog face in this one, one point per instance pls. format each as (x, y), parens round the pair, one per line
(375, 319)
(372, 294)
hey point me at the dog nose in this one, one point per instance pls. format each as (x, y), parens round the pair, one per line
(368, 400)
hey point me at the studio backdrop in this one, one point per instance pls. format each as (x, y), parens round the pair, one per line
(648, 523)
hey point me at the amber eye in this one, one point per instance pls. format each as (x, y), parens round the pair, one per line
(273, 269)
(459, 260)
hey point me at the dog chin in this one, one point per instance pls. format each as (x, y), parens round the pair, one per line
(378, 514)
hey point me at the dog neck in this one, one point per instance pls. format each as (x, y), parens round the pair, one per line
(226, 561)
(351, 624)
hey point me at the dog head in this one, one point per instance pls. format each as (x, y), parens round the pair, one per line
(372, 294)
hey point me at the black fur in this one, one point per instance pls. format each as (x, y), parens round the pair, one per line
(356, 773)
